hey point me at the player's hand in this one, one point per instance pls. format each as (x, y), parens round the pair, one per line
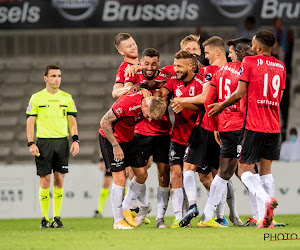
(74, 148)
(129, 72)
(177, 106)
(216, 109)
(134, 88)
(118, 153)
(169, 75)
(145, 92)
(177, 99)
(34, 150)
(218, 138)
(101, 165)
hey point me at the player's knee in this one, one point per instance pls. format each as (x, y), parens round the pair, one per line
(206, 181)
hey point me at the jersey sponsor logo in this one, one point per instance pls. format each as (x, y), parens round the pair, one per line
(119, 111)
(234, 9)
(208, 77)
(260, 62)
(192, 91)
(75, 10)
(29, 107)
(178, 93)
(135, 107)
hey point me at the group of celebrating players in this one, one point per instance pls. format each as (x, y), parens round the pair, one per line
(226, 122)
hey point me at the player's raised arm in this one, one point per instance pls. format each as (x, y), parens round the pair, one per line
(106, 123)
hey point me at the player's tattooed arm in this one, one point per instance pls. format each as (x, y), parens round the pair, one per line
(105, 123)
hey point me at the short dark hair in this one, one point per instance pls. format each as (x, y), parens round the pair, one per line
(120, 38)
(151, 52)
(51, 66)
(215, 41)
(235, 42)
(183, 55)
(265, 37)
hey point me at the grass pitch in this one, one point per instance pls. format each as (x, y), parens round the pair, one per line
(98, 234)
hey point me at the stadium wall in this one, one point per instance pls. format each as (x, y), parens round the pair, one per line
(19, 188)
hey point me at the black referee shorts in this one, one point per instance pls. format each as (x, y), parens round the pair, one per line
(256, 145)
(54, 156)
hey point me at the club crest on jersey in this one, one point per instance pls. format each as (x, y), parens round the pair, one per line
(29, 107)
(119, 111)
(192, 91)
(178, 93)
(208, 77)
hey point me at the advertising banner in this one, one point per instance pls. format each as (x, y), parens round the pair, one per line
(19, 190)
(31, 14)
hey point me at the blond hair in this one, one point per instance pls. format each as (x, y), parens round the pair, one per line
(157, 107)
(215, 41)
(190, 38)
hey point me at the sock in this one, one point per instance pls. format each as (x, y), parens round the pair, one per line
(134, 190)
(254, 186)
(185, 203)
(177, 200)
(221, 207)
(57, 201)
(268, 184)
(190, 186)
(44, 202)
(253, 202)
(102, 198)
(116, 196)
(217, 188)
(231, 200)
(163, 195)
(142, 197)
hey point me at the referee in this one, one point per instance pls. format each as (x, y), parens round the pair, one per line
(54, 111)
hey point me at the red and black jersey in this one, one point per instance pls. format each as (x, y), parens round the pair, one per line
(223, 84)
(120, 78)
(208, 73)
(265, 77)
(155, 127)
(128, 111)
(186, 119)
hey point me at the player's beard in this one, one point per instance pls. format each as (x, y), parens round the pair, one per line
(132, 55)
(149, 77)
(183, 75)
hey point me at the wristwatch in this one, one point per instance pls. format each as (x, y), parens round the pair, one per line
(30, 143)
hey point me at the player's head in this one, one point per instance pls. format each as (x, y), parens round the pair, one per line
(52, 76)
(126, 45)
(153, 108)
(239, 48)
(263, 41)
(150, 62)
(183, 64)
(214, 48)
(191, 43)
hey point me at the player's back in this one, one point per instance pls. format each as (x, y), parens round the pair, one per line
(266, 80)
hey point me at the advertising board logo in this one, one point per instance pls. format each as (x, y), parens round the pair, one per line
(234, 8)
(75, 10)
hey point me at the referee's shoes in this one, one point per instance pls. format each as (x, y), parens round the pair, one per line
(56, 223)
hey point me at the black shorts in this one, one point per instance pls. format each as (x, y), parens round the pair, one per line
(176, 153)
(231, 144)
(158, 146)
(256, 145)
(203, 150)
(107, 173)
(54, 156)
(133, 155)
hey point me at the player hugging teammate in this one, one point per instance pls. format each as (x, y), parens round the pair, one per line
(219, 129)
